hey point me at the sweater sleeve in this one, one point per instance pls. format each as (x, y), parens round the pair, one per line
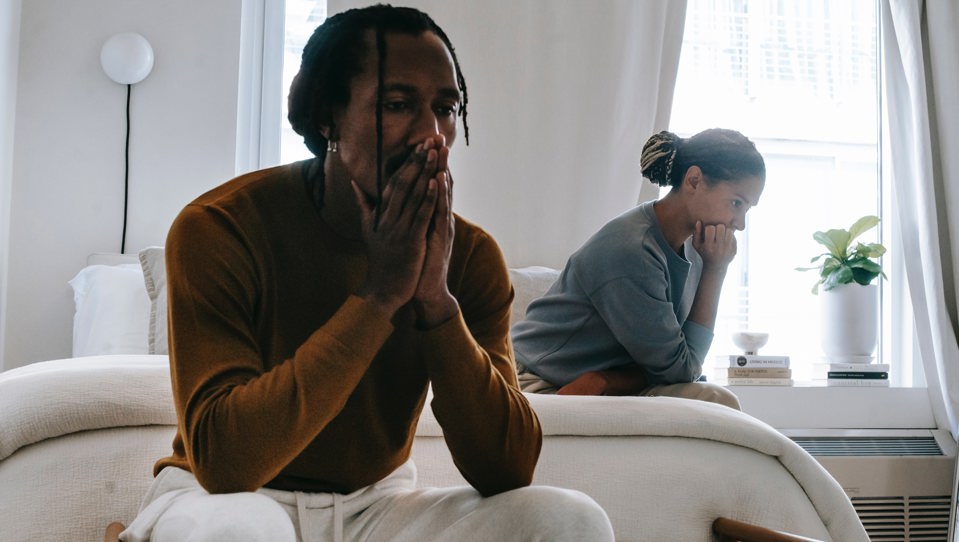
(241, 423)
(492, 432)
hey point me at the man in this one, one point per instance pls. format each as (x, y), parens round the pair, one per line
(313, 304)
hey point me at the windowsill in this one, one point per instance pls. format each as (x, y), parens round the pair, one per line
(814, 405)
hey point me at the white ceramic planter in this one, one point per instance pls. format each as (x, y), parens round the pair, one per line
(849, 322)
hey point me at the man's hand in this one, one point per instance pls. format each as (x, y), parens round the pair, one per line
(396, 245)
(434, 303)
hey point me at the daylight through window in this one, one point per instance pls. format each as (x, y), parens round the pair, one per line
(801, 80)
(302, 18)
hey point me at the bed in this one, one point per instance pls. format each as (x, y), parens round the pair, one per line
(78, 438)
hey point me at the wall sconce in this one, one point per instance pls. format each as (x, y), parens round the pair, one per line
(127, 58)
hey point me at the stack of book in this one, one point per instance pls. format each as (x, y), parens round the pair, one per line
(758, 370)
(857, 374)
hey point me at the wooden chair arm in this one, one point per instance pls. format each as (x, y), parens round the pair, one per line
(731, 530)
(113, 532)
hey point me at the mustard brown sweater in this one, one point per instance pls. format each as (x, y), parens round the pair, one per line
(283, 378)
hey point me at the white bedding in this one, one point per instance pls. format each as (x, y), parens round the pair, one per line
(691, 460)
(53, 398)
(660, 466)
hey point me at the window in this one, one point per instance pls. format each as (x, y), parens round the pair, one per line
(801, 79)
(273, 33)
(302, 18)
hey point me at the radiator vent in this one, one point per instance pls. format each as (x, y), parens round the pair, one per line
(870, 446)
(900, 481)
(904, 519)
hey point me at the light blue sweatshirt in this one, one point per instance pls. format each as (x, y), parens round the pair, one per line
(622, 298)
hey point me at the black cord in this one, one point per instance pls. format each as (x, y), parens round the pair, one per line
(126, 175)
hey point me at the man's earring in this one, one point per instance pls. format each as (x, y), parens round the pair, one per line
(332, 146)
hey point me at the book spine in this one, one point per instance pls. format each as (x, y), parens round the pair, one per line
(759, 372)
(760, 382)
(858, 367)
(754, 361)
(859, 375)
(858, 382)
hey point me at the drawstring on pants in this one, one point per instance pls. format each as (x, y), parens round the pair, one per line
(304, 515)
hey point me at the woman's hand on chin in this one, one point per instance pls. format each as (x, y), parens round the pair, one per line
(716, 243)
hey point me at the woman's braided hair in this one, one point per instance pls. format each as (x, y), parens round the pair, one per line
(721, 154)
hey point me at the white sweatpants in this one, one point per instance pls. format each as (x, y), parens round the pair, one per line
(178, 509)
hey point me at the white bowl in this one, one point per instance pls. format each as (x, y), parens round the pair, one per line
(750, 341)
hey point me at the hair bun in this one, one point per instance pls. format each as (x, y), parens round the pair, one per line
(656, 161)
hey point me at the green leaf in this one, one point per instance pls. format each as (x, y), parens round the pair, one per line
(862, 225)
(842, 275)
(829, 267)
(864, 276)
(836, 241)
(866, 265)
(871, 250)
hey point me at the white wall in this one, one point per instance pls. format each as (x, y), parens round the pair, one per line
(66, 196)
(9, 34)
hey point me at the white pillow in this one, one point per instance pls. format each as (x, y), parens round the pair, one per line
(154, 277)
(529, 283)
(112, 310)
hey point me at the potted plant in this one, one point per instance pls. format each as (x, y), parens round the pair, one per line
(849, 297)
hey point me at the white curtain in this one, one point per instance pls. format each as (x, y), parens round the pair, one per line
(921, 63)
(562, 96)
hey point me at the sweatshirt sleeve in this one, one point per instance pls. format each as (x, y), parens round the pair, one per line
(240, 422)
(492, 432)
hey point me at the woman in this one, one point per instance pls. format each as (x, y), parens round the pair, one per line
(633, 312)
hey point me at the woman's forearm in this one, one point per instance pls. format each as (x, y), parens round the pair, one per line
(706, 303)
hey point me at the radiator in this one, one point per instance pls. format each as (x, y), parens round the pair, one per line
(900, 482)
